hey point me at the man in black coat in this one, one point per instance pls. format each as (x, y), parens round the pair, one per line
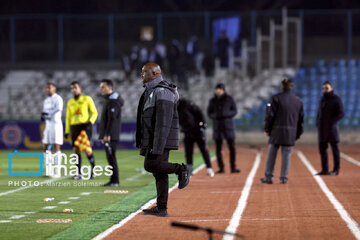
(110, 125)
(222, 109)
(331, 110)
(193, 124)
(157, 132)
(284, 125)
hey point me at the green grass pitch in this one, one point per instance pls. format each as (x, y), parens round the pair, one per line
(93, 213)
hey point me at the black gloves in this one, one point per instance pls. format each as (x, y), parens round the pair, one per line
(43, 116)
(66, 135)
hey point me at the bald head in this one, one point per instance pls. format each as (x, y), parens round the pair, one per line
(150, 71)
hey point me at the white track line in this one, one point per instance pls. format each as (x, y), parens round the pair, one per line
(350, 159)
(30, 212)
(64, 202)
(207, 220)
(351, 223)
(236, 217)
(5, 221)
(26, 187)
(132, 215)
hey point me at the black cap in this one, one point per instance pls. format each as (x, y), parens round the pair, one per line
(221, 86)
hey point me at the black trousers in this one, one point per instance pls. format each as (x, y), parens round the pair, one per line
(323, 146)
(200, 139)
(159, 166)
(231, 145)
(110, 150)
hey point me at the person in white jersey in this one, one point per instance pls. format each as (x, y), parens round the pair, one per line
(53, 133)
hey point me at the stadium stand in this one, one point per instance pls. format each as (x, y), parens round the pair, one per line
(344, 76)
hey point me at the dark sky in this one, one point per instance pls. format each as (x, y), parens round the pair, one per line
(140, 6)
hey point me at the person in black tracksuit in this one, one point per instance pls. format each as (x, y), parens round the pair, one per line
(157, 132)
(110, 125)
(331, 110)
(284, 125)
(222, 109)
(193, 124)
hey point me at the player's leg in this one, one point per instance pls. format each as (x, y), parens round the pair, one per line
(202, 143)
(110, 150)
(324, 157)
(47, 153)
(270, 163)
(90, 157)
(57, 141)
(336, 154)
(219, 158)
(75, 131)
(285, 165)
(232, 149)
(189, 151)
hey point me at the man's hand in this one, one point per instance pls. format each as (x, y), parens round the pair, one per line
(66, 135)
(43, 116)
(106, 139)
(267, 134)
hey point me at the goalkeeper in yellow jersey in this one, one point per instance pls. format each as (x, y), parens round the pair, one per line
(81, 115)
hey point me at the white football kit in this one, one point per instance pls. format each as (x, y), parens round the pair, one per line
(53, 133)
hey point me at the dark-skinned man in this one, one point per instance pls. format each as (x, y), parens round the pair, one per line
(157, 131)
(110, 125)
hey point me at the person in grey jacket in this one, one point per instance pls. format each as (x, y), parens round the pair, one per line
(284, 125)
(157, 132)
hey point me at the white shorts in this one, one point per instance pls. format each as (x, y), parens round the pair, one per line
(53, 134)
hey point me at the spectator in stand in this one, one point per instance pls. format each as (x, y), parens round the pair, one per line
(223, 44)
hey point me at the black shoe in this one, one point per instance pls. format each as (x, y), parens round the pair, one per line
(235, 170)
(334, 173)
(184, 177)
(322, 173)
(220, 171)
(110, 184)
(155, 211)
(266, 180)
(283, 180)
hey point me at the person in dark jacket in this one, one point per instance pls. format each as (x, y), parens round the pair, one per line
(284, 125)
(193, 124)
(222, 109)
(331, 110)
(110, 125)
(157, 132)
(223, 44)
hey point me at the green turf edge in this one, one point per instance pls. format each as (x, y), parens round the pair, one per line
(113, 214)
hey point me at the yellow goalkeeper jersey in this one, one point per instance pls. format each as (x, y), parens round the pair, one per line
(80, 111)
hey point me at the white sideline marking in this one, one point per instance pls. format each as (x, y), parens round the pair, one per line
(351, 223)
(17, 216)
(132, 215)
(236, 217)
(85, 193)
(350, 159)
(73, 198)
(207, 220)
(49, 207)
(244, 219)
(5, 221)
(26, 187)
(265, 219)
(30, 212)
(64, 202)
(136, 176)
